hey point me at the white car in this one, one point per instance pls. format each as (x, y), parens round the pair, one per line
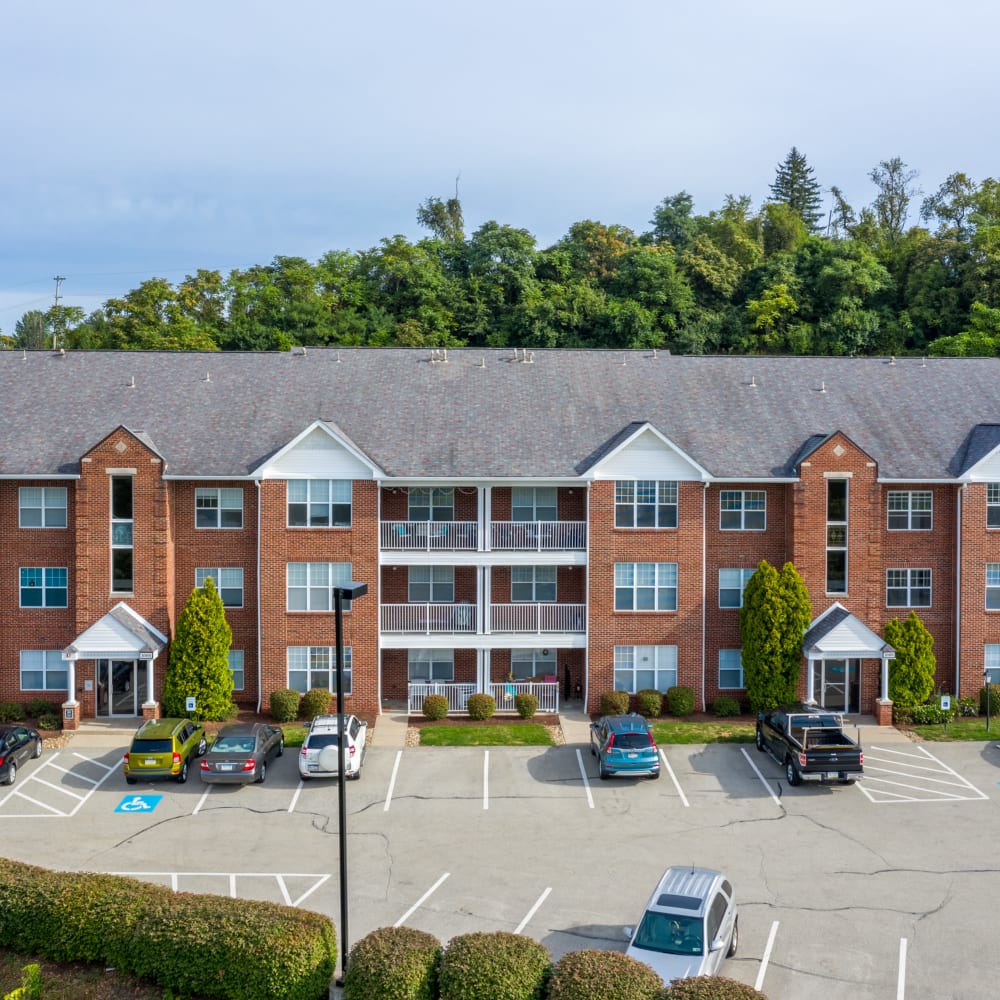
(689, 926)
(319, 757)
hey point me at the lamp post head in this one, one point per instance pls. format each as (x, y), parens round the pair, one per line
(351, 591)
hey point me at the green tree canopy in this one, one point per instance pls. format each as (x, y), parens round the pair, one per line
(795, 185)
(911, 674)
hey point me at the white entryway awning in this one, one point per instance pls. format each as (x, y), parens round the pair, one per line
(121, 634)
(838, 635)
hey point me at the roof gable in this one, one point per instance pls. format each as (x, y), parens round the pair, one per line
(321, 451)
(981, 461)
(646, 453)
(838, 634)
(120, 633)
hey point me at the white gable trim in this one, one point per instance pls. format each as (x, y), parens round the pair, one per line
(612, 466)
(268, 469)
(986, 470)
(110, 638)
(849, 638)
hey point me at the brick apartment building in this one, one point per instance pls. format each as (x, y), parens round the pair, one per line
(576, 521)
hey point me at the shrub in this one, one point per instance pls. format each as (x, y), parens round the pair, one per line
(711, 988)
(316, 701)
(31, 985)
(481, 706)
(38, 707)
(435, 706)
(285, 705)
(968, 707)
(614, 703)
(725, 706)
(498, 965)
(526, 705)
(649, 703)
(680, 700)
(11, 711)
(393, 963)
(994, 700)
(50, 721)
(929, 715)
(610, 975)
(902, 715)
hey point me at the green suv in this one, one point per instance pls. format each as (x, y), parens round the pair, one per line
(163, 748)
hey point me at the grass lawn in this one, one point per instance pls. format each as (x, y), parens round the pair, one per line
(524, 735)
(959, 729)
(704, 732)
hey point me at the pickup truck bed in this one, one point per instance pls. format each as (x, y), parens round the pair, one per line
(809, 744)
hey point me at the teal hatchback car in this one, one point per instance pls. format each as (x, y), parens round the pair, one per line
(623, 744)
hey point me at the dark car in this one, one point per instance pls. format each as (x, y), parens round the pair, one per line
(17, 744)
(163, 748)
(241, 753)
(623, 744)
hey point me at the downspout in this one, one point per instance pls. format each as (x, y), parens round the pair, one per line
(378, 609)
(260, 672)
(704, 581)
(958, 596)
(586, 604)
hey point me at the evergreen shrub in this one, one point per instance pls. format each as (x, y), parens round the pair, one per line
(316, 701)
(481, 706)
(435, 706)
(38, 707)
(680, 700)
(285, 705)
(11, 711)
(994, 700)
(725, 706)
(393, 963)
(50, 722)
(610, 975)
(526, 705)
(614, 702)
(499, 965)
(711, 988)
(649, 703)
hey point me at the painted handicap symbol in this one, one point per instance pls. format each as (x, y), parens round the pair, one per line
(138, 803)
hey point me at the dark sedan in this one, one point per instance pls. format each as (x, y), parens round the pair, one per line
(241, 753)
(17, 744)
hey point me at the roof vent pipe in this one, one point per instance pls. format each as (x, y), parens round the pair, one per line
(207, 378)
(822, 387)
(753, 382)
(131, 382)
(892, 359)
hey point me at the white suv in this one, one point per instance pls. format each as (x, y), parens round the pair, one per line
(319, 757)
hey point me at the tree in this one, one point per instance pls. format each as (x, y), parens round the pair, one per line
(794, 185)
(443, 218)
(894, 181)
(911, 674)
(199, 660)
(773, 621)
(33, 331)
(672, 221)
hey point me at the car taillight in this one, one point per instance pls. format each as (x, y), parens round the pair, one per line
(861, 757)
(802, 760)
(249, 765)
(652, 744)
(204, 765)
(611, 741)
(2, 759)
(302, 753)
(350, 750)
(177, 758)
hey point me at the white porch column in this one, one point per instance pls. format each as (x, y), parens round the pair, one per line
(487, 579)
(150, 698)
(71, 681)
(810, 682)
(485, 518)
(885, 677)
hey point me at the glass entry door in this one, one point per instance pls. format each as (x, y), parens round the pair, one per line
(835, 683)
(120, 687)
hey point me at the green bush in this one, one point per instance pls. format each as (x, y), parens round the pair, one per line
(393, 963)
(680, 700)
(724, 706)
(285, 705)
(711, 988)
(51, 722)
(930, 714)
(994, 700)
(526, 705)
(481, 706)
(610, 975)
(38, 707)
(649, 703)
(11, 711)
(316, 701)
(435, 706)
(902, 715)
(614, 703)
(31, 985)
(498, 965)
(968, 707)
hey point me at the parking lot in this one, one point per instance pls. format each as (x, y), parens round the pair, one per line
(878, 889)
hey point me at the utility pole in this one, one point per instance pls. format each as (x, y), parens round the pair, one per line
(58, 279)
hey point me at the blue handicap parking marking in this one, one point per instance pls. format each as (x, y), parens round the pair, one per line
(138, 804)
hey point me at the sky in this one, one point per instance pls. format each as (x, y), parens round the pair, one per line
(150, 140)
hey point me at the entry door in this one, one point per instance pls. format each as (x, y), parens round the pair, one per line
(838, 688)
(117, 688)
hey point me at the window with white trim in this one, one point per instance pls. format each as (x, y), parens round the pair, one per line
(532, 662)
(742, 510)
(534, 503)
(228, 582)
(43, 670)
(44, 587)
(730, 669)
(310, 585)
(732, 583)
(430, 665)
(991, 661)
(907, 588)
(533, 583)
(993, 505)
(218, 508)
(316, 667)
(431, 585)
(122, 536)
(41, 507)
(645, 586)
(643, 668)
(993, 586)
(319, 503)
(910, 510)
(431, 503)
(235, 657)
(645, 503)
(836, 536)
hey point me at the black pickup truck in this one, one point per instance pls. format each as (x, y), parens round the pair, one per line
(809, 743)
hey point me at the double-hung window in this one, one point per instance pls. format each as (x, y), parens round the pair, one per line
(742, 510)
(644, 668)
(316, 667)
(907, 588)
(235, 657)
(910, 510)
(730, 669)
(43, 670)
(645, 586)
(41, 507)
(228, 582)
(431, 585)
(645, 503)
(44, 587)
(993, 586)
(993, 505)
(731, 585)
(319, 503)
(310, 585)
(991, 661)
(532, 583)
(431, 665)
(532, 662)
(534, 503)
(221, 508)
(431, 504)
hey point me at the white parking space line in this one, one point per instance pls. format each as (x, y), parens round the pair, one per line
(201, 801)
(767, 956)
(486, 779)
(763, 780)
(295, 796)
(901, 983)
(66, 770)
(673, 778)
(35, 802)
(420, 902)
(232, 886)
(392, 780)
(586, 783)
(58, 788)
(280, 880)
(541, 899)
(52, 811)
(883, 765)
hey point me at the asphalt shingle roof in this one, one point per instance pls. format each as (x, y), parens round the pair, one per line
(485, 414)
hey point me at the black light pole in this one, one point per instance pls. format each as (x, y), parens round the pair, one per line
(349, 592)
(986, 677)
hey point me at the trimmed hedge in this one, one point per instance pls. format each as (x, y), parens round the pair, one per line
(207, 945)
(285, 705)
(711, 988)
(725, 706)
(526, 705)
(649, 703)
(435, 706)
(614, 702)
(38, 707)
(498, 965)
(610, 975)
(316, 701)
(680, 700)
(994, 700)
(481, 706)
(393, 963)
(11, 711)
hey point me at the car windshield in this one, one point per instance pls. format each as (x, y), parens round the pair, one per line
(671, 933)
(631, 741)
(152, 746)
(233, 744)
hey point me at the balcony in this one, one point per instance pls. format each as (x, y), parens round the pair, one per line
(463, 536)
(429, 536)
(509, 619)
(538, 619)
(538, 536)
(503, 694)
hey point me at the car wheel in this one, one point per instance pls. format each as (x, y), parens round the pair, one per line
(792, 772)
(281, 747)
(183, 776)
(130, 781)
(303, 777)
(734, 941)
(593, 751)
(202, 747)
(262, 773)
(11, 773)
(654, 776)
(760, 741)
(603, 774)
(38, 749)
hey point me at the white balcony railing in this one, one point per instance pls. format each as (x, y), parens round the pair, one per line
(538, 536)
(503, 693)
(538, 618)
(428, 619)
(457, 695)
(429, 536)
